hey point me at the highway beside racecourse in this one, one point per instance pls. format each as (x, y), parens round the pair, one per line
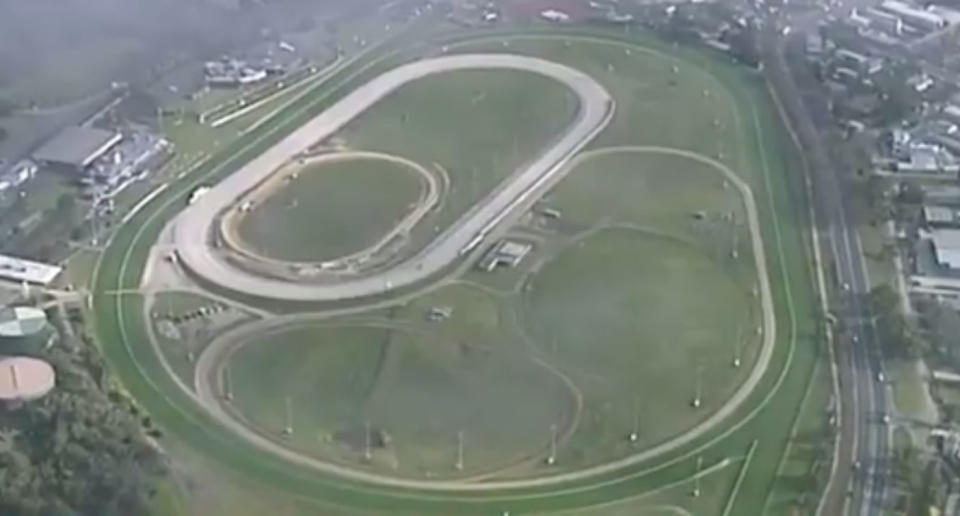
(193, 227)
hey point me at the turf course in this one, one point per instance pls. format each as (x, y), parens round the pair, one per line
(765, 420)
(420, 389)
(331, 209)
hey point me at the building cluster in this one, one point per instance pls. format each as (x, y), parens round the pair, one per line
(104, 161)
(229, 72)
(890, 78)
(889, 87)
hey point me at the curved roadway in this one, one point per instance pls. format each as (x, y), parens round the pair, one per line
(194, 225)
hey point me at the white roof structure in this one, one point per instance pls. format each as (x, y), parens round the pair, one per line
(19, 269)
(25, 379)
(946, 247)
(912, 14)
(554, 15)
(20, 321)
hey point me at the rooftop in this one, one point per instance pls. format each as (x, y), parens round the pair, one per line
(941, 215)
(19, 269)
(946, 247)
(24, 379)
(77, 146)
(19, 321)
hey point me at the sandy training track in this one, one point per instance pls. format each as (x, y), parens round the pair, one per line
(194, 225)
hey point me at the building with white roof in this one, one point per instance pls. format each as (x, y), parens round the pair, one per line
(914, 16)
(21, 321)
(21, 270)
(946, 247)
(554, 15)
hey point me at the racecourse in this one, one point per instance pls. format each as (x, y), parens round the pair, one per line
(766, 416)
(197, 222)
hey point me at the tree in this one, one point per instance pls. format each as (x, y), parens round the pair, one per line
(883, 300)
(896, 336)
(944, 324)
(78, 451)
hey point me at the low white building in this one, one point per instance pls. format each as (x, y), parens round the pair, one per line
(554, 15)
(21, 270)
(946, 247)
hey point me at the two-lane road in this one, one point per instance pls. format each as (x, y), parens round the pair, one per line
(863, 436)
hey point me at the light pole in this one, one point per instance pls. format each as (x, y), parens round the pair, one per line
(698, 387)
(635, 432)
(366, 441)
(552, 458)
(696, 478)
(738, 345)
(288, 429)
(227, 384)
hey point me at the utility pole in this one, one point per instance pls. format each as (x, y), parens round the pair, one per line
(367, 455)
(227, 384)
(459, 463)
(697, 390)
(696, 478)
(739, 347)
(552, 458)
(288, 429)
(635, 431)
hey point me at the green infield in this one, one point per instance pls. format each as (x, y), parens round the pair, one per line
(331, 209)
(394, 397)
(634, 320)
(624, 305)
(709, 110)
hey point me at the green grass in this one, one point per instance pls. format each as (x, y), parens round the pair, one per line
(479, 125)
(631, 318)
(421, 382)
(120, 328)
(874, 240)
(193, 335)
(808, 461)
(331, 210)
(910, 394)
(78, 271)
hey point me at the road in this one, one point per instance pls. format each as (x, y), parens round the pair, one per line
(863, 437)
(193, 226)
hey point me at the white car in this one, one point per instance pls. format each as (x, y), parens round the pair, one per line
(880, 377)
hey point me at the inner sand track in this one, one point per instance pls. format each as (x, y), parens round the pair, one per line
(232, 218)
